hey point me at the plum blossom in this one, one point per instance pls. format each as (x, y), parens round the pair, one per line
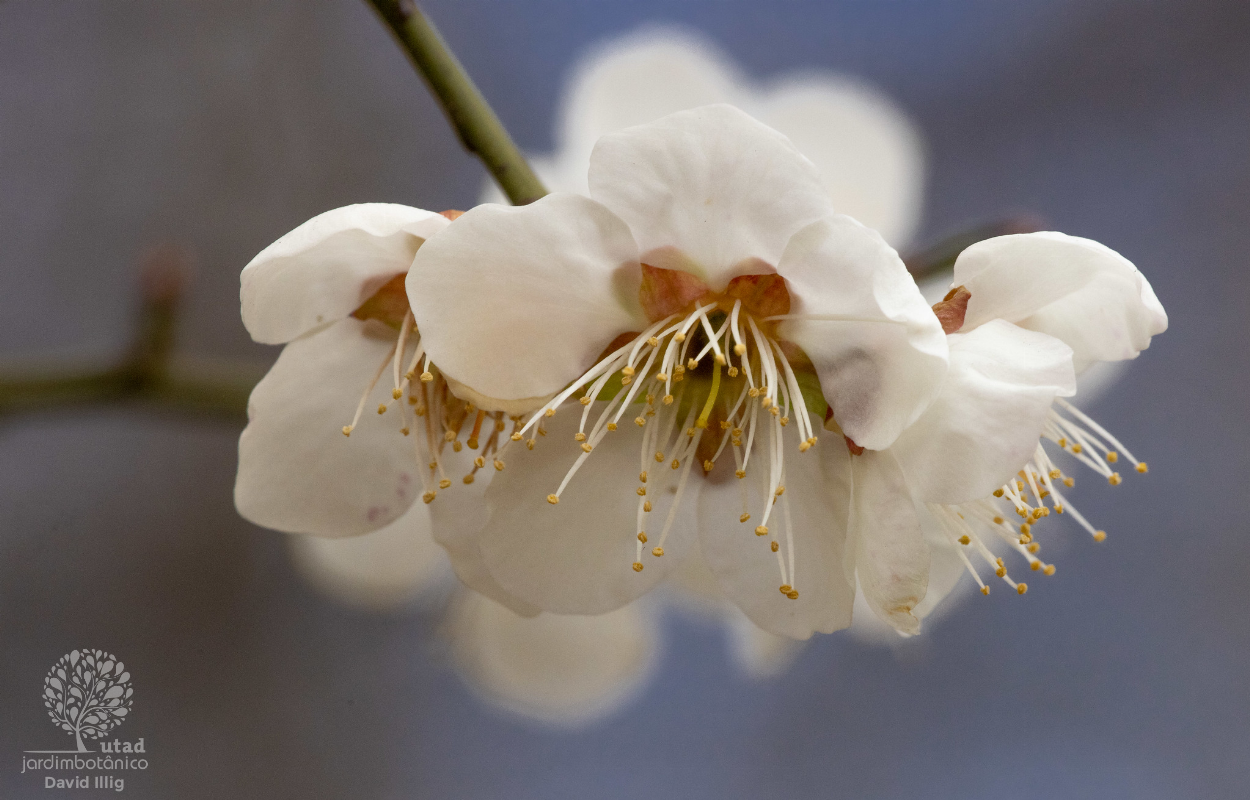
(1027, 313)
(685, 305)
(868, 153)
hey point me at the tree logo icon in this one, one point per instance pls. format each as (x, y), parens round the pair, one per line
(87, 694)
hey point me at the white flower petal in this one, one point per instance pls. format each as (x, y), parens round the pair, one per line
(721, 188)
(576, 557)
(517, 302)
(817, 489)
(869, 154)
(882, 365)
(984, 425)
(298, 473)
(459, 515)
(638, 78)
(566, 670)
(324, 269)
(1074, 289)
(890, 552)
(384, 570)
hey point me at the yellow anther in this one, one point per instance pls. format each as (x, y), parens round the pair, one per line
(1024, 527)
(786, 421)
(762, 530)
(1035, 566)
(640, 421)
(675, 464)
(473, 443)
(657, 552)
(985, 590)
(654, 342)
(516, 437)
(1049, 569)
(1141, 467)
(965, 539)
(405, 431)
(668, 399)
(998, 561)
(627, 371)
(1069, 482)
(1045, 511)
(804, 446)
(412, 401)
(740, 473)
(793, 594)
(1000, 572)
(998, 492)
(1115, 479)
(397, 393)
(1113, 457)
(382, 408)
(753, 392)
(679, 337)
(479, 462)
(740, 349)
(456, 446)
(659, 457)
(410, 374)
(719, 359)
(529, 445)
(551, 498)
(586, 448)
(998, 520)
(692, 364)
(774, 547)
(1076, 448)
(1021, 588)
(707, 465)
(1063, 442)
(611, 426)
(780, 491)
(579, 437)
(445, 483)
(733, 372)
(428, 497)
(499, 465)
(1054, 474)
(551, 412)
(661, 377)
(642, 476)
(642, 536)
(499, 425)
(646, 506)
(347, 430)
(745, 516)
(1100, 536)
(1019, 486)
(1059, 509)
(766, 402)
(468, 478)
(1038, 513)
(637, 566)
(584, 400)
(427, 376)
(786, 588)
(811, 442)
(642, 491)
(1022, 513)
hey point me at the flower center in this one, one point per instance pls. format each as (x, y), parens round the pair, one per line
(1025, 497)
(424, 399)
(707, 377)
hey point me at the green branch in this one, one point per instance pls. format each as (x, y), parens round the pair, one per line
(470, 115)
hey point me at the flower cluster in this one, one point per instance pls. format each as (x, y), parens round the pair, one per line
(701, 362)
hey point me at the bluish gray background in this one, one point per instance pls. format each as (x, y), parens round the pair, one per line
(220, 125)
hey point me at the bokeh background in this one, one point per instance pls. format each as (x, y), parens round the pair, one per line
(217, 126)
